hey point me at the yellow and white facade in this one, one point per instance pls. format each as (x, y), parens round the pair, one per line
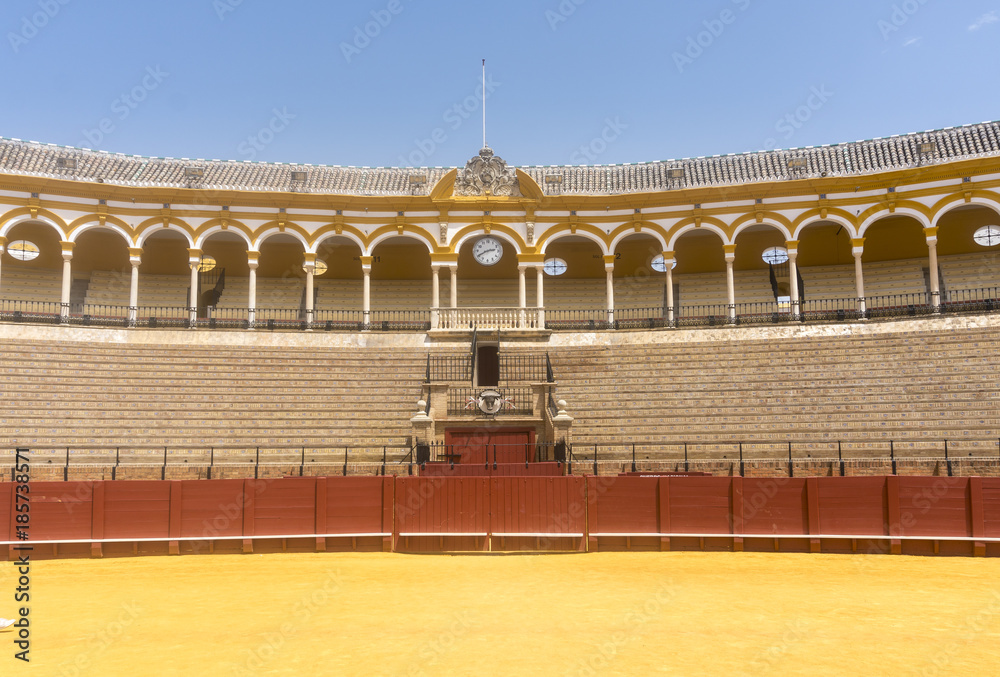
(667, 241)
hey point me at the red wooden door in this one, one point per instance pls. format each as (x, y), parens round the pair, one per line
(482, 446)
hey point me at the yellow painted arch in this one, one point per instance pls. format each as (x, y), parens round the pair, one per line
(475, 228)
(409, 230)
(56, 221)
(555, 232)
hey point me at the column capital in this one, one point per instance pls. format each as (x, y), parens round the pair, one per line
(931, 234)
(67, 250)
(194, 256)
(135, 256)
(729, 249)
(366, 264)
(310, 258)
(3, 242)
(253, 258)
(791, 244)
(858, 242)
(609, 260)
(669, 256)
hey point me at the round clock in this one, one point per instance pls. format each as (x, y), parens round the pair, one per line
(487, 250)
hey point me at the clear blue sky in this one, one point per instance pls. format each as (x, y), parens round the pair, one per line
(573, 81)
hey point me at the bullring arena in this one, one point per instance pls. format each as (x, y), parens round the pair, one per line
(251, 411)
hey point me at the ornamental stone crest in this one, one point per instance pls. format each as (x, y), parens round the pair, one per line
(490, 402)
(487, 175)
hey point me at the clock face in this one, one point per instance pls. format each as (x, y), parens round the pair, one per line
(487, 250)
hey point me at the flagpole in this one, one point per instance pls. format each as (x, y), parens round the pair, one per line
(484, 103)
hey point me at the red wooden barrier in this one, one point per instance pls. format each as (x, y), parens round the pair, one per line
(537, 513)
(910, 515)
(442, 513)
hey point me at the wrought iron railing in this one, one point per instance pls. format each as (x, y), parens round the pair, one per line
(294, 319)
(449, 368)
(702, 315)
(515, 368)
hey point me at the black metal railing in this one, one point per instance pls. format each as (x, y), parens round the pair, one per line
(35, 312)
(945, 457)
(702, 316)
(449, 368)
(513, 401)
(515, 368)
(899, 305)
(576, 319)
(559, 319)
(481, 450)
(971, 300)
(829, 310)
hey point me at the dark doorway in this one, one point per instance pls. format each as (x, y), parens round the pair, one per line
(488, 366)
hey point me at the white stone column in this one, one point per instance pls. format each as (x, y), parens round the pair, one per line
(135, 258)
(793, 277)
(435, 296)
(366, 298)
(609, 275)
(194, 260)
(454, 285)
(857, 249)
(309, 265)
(540, 294)
(67, 278)
(668, 263)
(932, 267)
(730, 250)
(253, 261)
(522, 294)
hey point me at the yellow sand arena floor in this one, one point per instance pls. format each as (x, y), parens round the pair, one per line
(599, 614)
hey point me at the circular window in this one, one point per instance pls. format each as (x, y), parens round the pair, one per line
(207, 264)
(987, 236)
(775, 255)
(320, 268)
(659, 264)
(22, 250)
(555, 267)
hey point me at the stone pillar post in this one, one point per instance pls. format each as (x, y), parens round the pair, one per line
(522, 295)
(310, 267)
(668, 263)
(194, 261)
(135, 258)
(932, 267)
(435, 296)
(540, 294)
(793, 277)
(857, 249)
(67, 278)
(609, 273)
(253, 260)
(366, 299)
(730, 250)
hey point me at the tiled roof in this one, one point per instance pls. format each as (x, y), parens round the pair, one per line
(28, 158)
